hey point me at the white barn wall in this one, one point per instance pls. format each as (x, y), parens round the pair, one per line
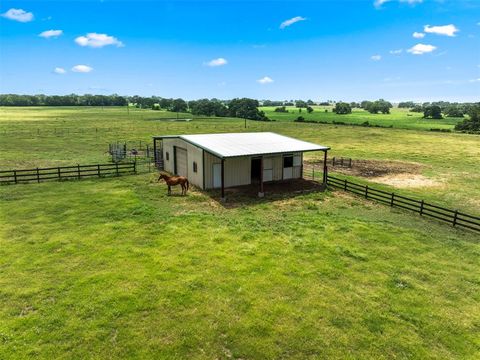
(237, 169)
(193, 154)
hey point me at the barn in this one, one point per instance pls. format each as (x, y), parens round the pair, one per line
(219, 161)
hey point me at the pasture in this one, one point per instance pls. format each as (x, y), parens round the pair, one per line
(398, 118)
(115, 268)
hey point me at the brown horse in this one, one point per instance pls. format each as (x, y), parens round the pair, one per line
(175, 180)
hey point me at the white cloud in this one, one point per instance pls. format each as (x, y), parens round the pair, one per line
(376, 57)
(418, 35)
(265, 80)
(379, 3)
(98, 40)
(82, 68)
(396, 52)
(421, 49)
(59, 70)
(217, 62)
(291, 21)
(447, 30)
(18, 15)
(50, 33)
(474, 80)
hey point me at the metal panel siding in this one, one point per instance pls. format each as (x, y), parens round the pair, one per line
(193, 154)
(209, 161)
(181, 159)
(237, 170)
(277, 167)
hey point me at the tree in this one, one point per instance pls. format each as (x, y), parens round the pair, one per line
(342, 108)
(432, 111)
(472, 124)
(377, 106)
(417, 108)
(454, 111)
(300, 104)
(309, 109)
(179, 105)
(281, 109)
(246, 109)
(406, 105)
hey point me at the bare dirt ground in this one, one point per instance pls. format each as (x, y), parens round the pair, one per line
(395, 173)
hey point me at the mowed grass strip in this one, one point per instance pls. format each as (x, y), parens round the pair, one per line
(115, 268)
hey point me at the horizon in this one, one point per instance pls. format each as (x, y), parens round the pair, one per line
(398, 50)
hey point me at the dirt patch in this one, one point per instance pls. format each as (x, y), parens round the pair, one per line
(395, 173)
(407, 181)
(377, 168)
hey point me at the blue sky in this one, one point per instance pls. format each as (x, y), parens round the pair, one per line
(339, 50)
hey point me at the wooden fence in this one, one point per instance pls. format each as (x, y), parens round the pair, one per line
(453, 217)
(66, 172)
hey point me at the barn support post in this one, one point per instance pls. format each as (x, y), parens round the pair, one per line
(325, 168)
(223, 179)
(261, 193)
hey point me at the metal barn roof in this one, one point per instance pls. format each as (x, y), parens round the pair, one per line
(248, 144)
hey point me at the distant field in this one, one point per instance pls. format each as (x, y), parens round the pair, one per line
(398, 118)
(61, 136)
(115, 268)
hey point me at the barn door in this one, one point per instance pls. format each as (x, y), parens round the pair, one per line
(217, 175)
(181, 159)
(287, 167)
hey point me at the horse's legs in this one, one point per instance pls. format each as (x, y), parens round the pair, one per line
(183, 189)
(169, 190)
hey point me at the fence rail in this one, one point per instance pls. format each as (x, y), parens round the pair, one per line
(453, 217)
(65, 172)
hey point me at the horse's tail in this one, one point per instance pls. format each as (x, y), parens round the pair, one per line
(187, 183)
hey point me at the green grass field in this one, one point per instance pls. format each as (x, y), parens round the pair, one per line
(398, 118)
(114, 268)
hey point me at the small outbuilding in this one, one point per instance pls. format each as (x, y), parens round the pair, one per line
(212, 161)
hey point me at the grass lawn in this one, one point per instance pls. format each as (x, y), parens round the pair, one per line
(114, 268)
(398, 118)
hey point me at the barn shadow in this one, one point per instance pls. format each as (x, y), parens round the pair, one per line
(273, 191)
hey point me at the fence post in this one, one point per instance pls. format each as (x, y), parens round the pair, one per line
(345, 184)
(421, 207)
(350, 163)
(333, 161)
(135, 166)
(392, 199)
(59, 173)
(313, 172)
(38, 175)
(341, 161)
(455, 217)
(15, 175)
(116, 165)
(78, 170)
(366, 191)
(98, 169)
